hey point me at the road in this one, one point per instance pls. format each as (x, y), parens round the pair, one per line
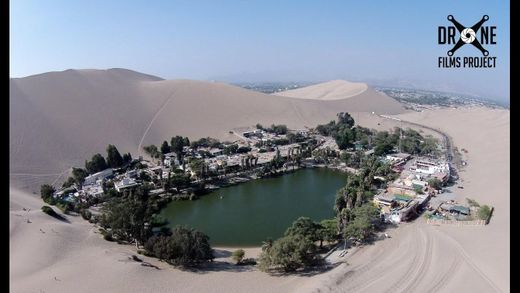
(450, 154)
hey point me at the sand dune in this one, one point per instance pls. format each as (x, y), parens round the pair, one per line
(59, 119)
(331, 90)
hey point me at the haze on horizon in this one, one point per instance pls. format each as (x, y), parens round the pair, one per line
(381, 43)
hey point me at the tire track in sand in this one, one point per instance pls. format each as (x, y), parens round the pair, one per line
(363, 276)
(153, 119)
(446, 277)
(395, 286)
(425, 264)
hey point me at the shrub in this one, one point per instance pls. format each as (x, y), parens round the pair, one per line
(50, 211)
(238, 255)
(484, 212)
(108, 237)
(86, 214)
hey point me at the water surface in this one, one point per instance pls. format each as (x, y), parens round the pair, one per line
(248, 213)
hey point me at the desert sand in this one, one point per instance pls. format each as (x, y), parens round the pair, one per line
(64, 257)
(331, 90)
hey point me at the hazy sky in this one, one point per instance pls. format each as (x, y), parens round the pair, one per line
(380, 42)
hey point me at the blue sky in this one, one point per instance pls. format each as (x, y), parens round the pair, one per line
(380, 42)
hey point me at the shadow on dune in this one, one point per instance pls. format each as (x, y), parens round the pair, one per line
(309, 272)
(220, 253)
(218, 266)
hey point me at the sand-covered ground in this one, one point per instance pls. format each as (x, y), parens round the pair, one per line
(331, 90)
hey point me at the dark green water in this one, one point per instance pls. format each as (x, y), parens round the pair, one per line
(251, 212)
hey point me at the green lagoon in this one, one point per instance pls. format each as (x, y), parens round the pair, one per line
(249, 213)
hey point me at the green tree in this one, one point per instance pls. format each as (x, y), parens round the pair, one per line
(345, 138)
(96, 164)
(289, 253)
(346, 119)
(79, 175)
(165, 148)
(46, 192)
(114, 159)
(435, 183)
(127, 158)
(152, 151)
(238, 255)
(328, 230)
(199, 167)
(305, 227)
(129, 216)
(363, 225)
(185, 246)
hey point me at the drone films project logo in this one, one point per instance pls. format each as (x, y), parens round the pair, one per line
(476, 35)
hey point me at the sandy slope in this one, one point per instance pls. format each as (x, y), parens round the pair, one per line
(59, 119)
(71, 257)
(331, 90)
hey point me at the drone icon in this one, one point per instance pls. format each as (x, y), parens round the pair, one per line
(467, 35)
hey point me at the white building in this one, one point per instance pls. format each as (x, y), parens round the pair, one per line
(92, 179)
(125, 183)
(428, 167)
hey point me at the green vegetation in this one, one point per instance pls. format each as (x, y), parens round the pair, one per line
(328, 231)
(484, 212)
(50, 211)
(127, 158)
(305, 227)
(276, 129)
(184, 247)
(238, 255)
(79, 175)
(46, 192)
(128, 216)
(207, 142)
(152, 151)
(435, 183)
(96, 164)
(289, 253)
(114, 159)
(165, 148)
(86, 214)
(363, 222)
(177, 144)
(297, 248)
